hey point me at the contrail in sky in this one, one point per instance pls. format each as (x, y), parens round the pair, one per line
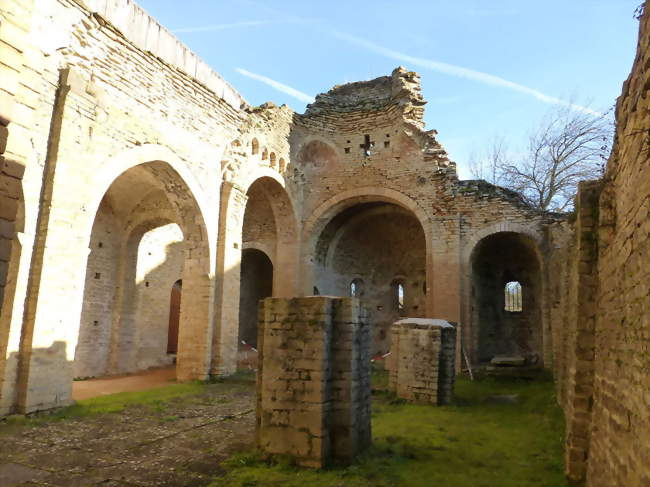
(233, 25)
(461, 72)
(304, 97)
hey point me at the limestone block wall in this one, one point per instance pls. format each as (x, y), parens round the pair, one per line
(422, 360)
(313, 382)
(601, 303)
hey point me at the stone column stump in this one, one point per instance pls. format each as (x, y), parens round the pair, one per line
(313, 380)
(422, 360)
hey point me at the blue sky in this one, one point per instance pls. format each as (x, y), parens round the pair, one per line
(488, 68)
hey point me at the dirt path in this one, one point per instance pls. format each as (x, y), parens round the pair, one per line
(179, 443)
(85, 389)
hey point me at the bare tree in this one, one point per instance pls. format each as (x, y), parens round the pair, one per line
(569, 145)
(487, 165)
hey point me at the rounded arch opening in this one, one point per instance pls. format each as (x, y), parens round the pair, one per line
(377, 248)
(506, 299)
(148, 233)
(256, 283)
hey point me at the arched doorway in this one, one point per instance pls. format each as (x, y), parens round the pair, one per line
(256, 283)
(175, 297)
(262, 219)
(148, 233)
(376, 251)
(506, 298)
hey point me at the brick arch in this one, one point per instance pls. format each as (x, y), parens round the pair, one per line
(324, 213)
(534, 240)
(513, 227)
(180, 173)
(122, 360)
(285, 260)
(157, 167)
(334, 205)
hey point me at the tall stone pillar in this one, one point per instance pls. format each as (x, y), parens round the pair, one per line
(313, 384)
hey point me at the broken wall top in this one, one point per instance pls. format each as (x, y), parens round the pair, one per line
(401, 90)
(146, 33)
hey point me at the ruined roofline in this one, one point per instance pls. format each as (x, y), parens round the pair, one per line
(401, 87)
(146, 33)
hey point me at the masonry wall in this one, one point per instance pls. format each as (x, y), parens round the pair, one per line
(601, 304)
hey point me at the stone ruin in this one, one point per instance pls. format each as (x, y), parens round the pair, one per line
(422, 360)
(313, 379)
(130, 170)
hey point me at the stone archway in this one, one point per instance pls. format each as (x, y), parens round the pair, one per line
(131, 268)
(321, 217)
(505, 299)
(258, 196)
(56, 294)
(375, 250)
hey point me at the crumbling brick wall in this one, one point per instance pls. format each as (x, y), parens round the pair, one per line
(602, 302)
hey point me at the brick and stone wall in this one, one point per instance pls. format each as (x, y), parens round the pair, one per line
(600, 303)
(313, 382)
(422, 360)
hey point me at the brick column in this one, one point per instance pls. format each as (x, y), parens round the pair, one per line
(313, 385)
(422, 360)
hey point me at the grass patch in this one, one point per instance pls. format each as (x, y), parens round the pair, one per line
(477, 442)
(156, 399)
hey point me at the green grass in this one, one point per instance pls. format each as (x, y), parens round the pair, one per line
(474, 443)
(156, 399)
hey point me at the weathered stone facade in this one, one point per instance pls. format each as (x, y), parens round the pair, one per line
(129, 167)
(422, 360)
(313, 380)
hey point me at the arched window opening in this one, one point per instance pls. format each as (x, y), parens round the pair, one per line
(356, 288)
(513, 297)
(265, 154)
(255, 146)
(272, 159)
(399, 296)
(283, 165)
(174, 317)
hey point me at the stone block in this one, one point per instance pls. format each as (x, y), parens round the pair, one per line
(316, 386)
(422, 364)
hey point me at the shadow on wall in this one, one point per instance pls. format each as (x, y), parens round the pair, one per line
(18, 398)
(256, 283)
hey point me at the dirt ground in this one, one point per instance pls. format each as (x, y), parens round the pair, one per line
(84, 389)
(179, 442)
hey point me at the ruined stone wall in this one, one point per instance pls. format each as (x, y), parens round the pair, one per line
(93, 348)
(621, 417)
(364, 142)
(378, 249)
(600, 303)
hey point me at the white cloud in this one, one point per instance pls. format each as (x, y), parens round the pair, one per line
(277, 85)
(461, 72)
